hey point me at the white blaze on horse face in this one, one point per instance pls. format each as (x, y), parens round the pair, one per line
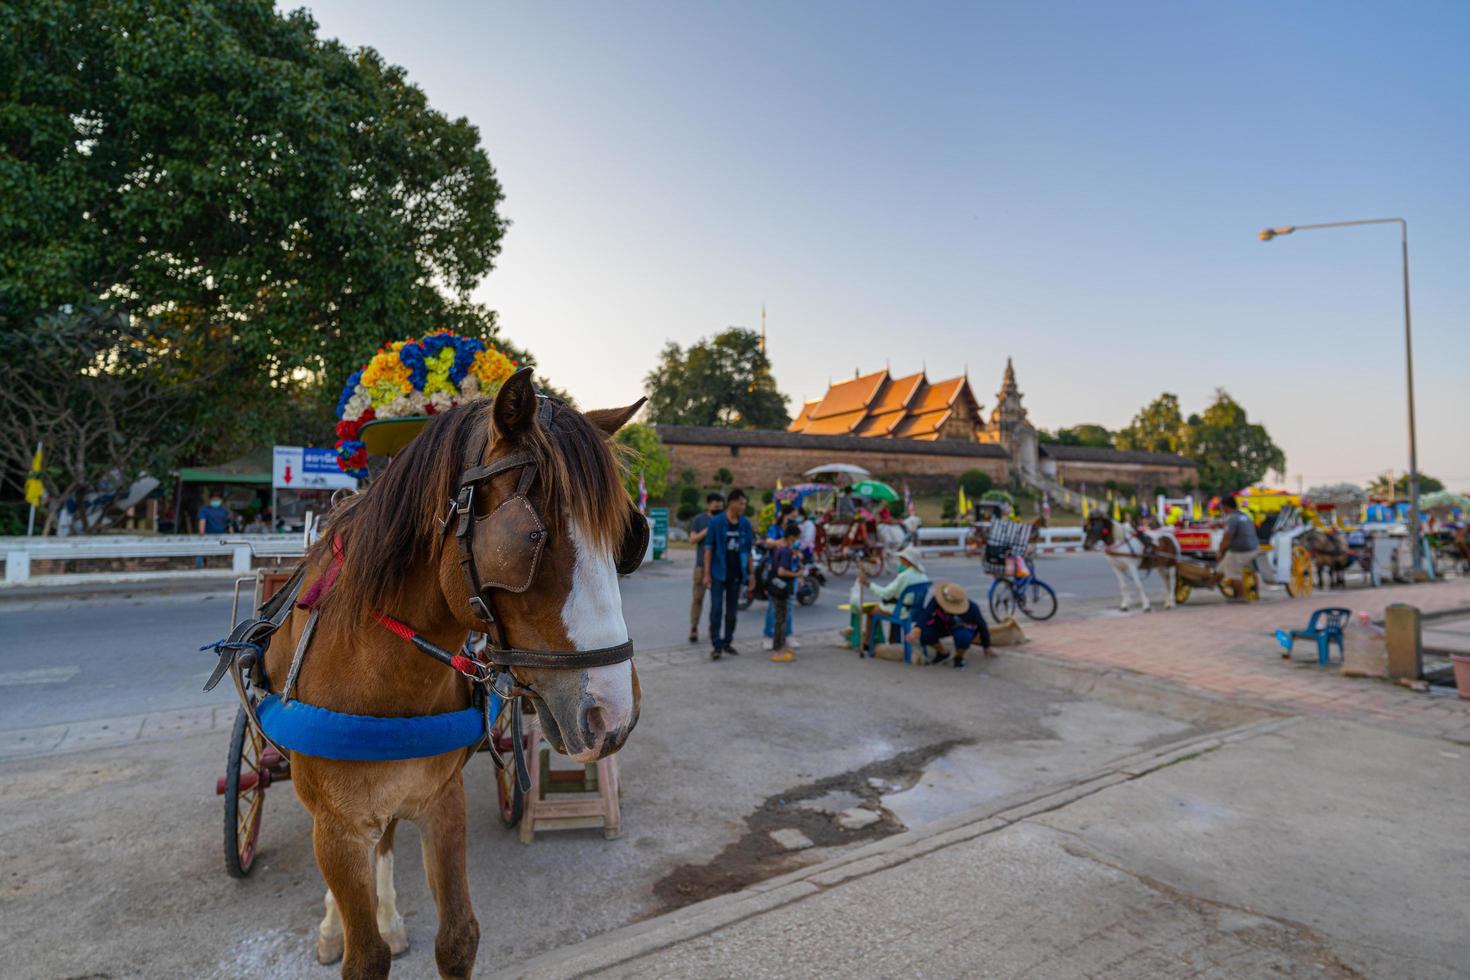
(593, 616)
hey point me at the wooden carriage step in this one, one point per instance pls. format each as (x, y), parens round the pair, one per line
(570, 799)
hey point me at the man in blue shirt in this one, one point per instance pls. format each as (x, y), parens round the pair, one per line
(949, 612)
(215, 519)
(698, 530)
(727, 568)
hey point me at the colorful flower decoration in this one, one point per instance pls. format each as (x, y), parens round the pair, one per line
(415, 377)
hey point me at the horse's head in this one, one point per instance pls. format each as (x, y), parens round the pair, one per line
(1097, 529)
(551, 527)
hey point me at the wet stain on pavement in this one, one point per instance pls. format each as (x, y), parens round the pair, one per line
(757, 856)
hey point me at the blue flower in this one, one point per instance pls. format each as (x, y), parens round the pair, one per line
(347, 391)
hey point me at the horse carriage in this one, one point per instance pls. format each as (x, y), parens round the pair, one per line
(1284, 560)
(397, 648)
(253, 763)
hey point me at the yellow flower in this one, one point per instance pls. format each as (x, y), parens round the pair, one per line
(385, 370)
(438, 381)
(492, 367)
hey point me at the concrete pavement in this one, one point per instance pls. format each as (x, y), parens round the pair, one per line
(1255, 854)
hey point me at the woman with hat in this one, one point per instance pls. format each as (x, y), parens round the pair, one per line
(910, 572)
(949, 612)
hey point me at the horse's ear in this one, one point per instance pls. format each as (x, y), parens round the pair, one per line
(515, 405)
(610, 420)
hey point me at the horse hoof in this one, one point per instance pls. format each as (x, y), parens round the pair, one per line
(397, 941)
(328, 949)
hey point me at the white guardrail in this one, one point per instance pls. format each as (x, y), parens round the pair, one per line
(1049, 540)
(19, 553)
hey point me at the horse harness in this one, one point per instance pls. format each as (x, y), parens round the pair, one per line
(513, 538)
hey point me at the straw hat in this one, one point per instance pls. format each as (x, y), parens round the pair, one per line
(912, 556)
(951, 598)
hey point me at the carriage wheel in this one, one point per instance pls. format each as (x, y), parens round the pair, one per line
(244, 785)
(1182, 589)
(1250, 584)
(872, 562)
(1300, 583)
(837, 561)
(509, 796)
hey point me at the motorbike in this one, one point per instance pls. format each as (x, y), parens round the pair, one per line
(808, 587)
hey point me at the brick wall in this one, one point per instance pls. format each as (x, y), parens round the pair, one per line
(1148, 475)
(761, 466)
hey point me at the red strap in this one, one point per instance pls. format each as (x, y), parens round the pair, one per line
(323, 585)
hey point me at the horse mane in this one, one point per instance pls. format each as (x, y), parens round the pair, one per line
(392, 529)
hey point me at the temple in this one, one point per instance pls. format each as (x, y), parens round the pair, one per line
(882, 406)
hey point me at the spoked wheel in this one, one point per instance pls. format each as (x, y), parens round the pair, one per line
(1182, 589)
(1300, 583)
(871, 562)
(1250, 584)
(511, 799)
(247, 775)
(1038, 601)
(837, 561)
(1002, 600)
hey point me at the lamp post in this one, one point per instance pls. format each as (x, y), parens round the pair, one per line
(1269, 233)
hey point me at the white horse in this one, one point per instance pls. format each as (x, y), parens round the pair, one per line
(895, 537)
(1128, 555)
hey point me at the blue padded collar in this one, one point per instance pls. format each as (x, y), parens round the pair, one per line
(310, 730)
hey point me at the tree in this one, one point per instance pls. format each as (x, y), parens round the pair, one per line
(1157, 428)
(975, 483)
(1230, 450)
(721, 381)
(217, 163)
(1387, 485)
(111, 398)
(1086, 434)
(647, 457)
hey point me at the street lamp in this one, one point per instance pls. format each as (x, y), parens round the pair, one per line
(1269, 233)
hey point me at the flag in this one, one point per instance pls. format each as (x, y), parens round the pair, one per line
(1045, 505)
(963, 503)
(778, 484)
(35, 489)
(1117, 514)
(908, 499)
(642, 495)
(1084, 508)
(1197, 514)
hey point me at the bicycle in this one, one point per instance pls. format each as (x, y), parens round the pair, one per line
(1016, 586)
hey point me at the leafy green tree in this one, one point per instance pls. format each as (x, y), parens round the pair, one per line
(722, 381)
(1086, 434)
(724, 477)
(1157, 428)
(1388, 485)
(647, 457)
(1230, 450)
(217, 163)
(975, 483)
(109, 397)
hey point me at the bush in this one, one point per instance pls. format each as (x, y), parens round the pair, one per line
(724, 477)
(764, 518)
(688, 476)
(975, 482)
(686, 510)
(688, 495)
(767, 496)
(949, 509)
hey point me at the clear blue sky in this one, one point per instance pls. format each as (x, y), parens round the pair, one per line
(1077, 185)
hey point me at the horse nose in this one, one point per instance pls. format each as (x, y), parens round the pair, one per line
(594, 722)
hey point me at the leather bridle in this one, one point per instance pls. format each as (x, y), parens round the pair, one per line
(498, 656)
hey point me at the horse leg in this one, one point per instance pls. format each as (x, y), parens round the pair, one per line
(443, 831)
(1138, 584)
(1168, 573)
(329, 934)
(1122, 585)
(346, 861)
(390, 923)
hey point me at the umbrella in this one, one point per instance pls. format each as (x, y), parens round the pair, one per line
(1443, 498)
(847, 468)
(874, 490)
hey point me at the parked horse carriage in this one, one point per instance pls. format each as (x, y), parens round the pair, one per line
(1284, 560)
(504, 518)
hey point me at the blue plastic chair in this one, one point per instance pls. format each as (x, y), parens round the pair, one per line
(910, 601)
(1325, 627)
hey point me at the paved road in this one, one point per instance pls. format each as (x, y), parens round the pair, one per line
(64, 661)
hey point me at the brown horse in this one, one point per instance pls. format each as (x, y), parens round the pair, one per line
(398, 560)
(1131, 553)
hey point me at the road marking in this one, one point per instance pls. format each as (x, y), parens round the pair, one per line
(40, 675)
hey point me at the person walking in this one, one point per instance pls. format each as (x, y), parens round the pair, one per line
(215, 518)
(698, 531)
(727, 568)
(1239, 546)
(785, 575)
(949, 612)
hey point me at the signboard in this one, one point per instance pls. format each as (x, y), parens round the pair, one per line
(298, 468)
(658, 517)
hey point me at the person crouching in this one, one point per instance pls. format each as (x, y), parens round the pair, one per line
(949, 612)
